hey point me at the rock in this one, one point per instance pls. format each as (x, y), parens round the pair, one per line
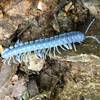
(32, 88)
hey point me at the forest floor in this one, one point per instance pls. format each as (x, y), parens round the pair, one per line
(71, 75)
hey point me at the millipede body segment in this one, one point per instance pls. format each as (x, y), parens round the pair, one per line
(42, 47)
(63, 39)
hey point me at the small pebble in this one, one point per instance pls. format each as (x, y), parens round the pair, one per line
(14, 79)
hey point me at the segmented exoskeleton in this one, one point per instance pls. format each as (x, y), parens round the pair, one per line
(65, 41)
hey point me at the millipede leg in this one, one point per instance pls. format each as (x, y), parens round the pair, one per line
(49, 52)
(58, 50)
(46, 53)
(22, 58)
(25, 58)
(18, 58)
(54, 52)
(14, 60)
(62, 48)
(40, 53)
(9, 61)
(66, 46)
(74, 47)
(70, 46)
(4, 61)
(29, 55)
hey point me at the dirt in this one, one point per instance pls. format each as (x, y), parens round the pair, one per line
(69, 76)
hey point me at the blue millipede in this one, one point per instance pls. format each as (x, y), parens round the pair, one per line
(65, 41)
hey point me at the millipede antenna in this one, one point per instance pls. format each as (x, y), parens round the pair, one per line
(90, 25)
